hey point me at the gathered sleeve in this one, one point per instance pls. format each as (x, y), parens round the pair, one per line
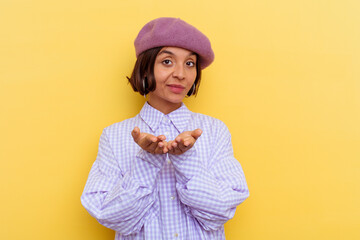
(122, 201)
(211, 188)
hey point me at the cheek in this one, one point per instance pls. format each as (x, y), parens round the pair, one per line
(161, 77)
(192, 76)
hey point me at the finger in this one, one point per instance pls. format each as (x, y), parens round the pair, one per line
(158, 149)
(173, 150)
(151, 138)
(178, 139)
(173, 147)
(168, 145)
(178, 146)
(182, 147)
(190, 141)
(146, 141)
(152, 147)
(161, 137)
(161, 148)
(178, 150)
(187, 141)
(165, 149)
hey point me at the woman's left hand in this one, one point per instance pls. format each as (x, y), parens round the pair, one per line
(183, 142)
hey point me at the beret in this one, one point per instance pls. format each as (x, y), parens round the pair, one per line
(174, 32)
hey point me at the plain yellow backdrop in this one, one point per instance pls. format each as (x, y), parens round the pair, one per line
(286, 81)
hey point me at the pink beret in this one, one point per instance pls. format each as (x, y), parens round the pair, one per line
(174, 32)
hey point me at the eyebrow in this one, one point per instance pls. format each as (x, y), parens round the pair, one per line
(171, 53)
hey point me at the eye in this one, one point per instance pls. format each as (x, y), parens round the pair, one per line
(167, 62)
(190, 63)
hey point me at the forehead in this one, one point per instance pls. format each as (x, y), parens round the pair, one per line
(176, 51)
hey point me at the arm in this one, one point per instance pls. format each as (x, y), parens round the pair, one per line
(122, 201)
(212, 193)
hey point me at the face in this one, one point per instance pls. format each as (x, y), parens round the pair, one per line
(175, 73)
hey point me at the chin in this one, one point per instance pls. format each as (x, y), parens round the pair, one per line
(176, 100)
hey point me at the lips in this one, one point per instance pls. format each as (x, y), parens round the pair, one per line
(175, 88)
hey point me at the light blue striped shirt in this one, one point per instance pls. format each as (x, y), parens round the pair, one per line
(160, 197)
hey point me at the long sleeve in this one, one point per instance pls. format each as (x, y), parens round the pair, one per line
(211, 191)
(145, 196)
(122, 201)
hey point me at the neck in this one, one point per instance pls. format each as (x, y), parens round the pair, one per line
(165, 109)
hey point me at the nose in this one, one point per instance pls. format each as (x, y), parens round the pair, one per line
(179, 72)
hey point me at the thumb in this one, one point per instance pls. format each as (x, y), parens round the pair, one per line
(196, 133)
(135, 134)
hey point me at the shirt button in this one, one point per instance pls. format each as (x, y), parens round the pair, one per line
(176, 235)
(172, 197)
(167, 134)
(168, 161)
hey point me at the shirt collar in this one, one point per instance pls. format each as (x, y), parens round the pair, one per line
(153, 117)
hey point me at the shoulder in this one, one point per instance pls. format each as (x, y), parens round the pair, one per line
(215, 122)
(124, 126)
(216, 125)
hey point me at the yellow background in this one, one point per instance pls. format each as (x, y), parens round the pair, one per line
(286, 81)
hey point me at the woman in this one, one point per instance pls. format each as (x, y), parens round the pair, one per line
(167, 173)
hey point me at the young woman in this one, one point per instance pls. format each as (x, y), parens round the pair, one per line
(167, 173)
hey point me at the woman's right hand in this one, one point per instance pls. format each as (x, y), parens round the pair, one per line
(149, 142)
